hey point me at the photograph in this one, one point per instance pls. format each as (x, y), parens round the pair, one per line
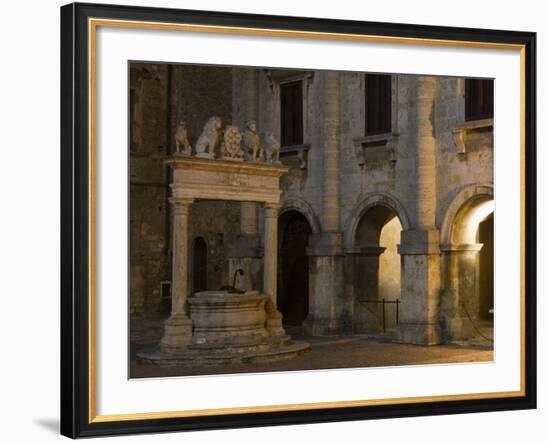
(295, 219)
(275, 220)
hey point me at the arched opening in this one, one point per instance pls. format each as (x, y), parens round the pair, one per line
(293, 286)
(377, 271)
(485, 270)
(469, 278)
(200, 257)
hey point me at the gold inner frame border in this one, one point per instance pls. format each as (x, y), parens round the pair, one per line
(93, 24)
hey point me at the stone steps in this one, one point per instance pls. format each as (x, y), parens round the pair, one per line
(201, 357)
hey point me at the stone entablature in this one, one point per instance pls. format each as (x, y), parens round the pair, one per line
(198, 178)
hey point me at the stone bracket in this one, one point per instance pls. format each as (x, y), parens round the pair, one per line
(299, 151)
(460, 131)
(459, 134)
(366, 142)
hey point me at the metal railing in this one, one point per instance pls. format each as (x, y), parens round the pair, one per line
(384, 302)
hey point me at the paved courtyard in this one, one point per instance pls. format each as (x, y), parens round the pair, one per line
(325, 353)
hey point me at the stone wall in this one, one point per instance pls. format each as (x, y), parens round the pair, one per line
(161, 96)
(149, 211)
(368, 169)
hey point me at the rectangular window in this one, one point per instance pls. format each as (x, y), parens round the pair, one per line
(377, 104)
(291, 114)
(479, 99)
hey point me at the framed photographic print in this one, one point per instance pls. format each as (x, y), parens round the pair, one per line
(274, 220)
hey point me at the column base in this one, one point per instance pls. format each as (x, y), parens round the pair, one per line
(274, 320)
(177, 333)
(321, 326)
(421, 333)
(459, 329)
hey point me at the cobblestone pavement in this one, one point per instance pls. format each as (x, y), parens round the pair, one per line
(326, 353)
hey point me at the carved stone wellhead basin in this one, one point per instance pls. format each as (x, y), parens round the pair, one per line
(230, 319)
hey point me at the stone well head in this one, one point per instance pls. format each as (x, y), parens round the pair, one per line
(222, 317)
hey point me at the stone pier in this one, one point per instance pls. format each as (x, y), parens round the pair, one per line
(419, 248)
(326, 258)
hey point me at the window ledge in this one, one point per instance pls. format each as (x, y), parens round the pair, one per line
(375, 139)
(461, 129)
(475, 124)
(300, 150)
(367, 141)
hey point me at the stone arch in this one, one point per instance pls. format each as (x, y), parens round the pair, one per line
(371, 240)
(376, 199)
(305, 209)
(468, 198)
(465, 264)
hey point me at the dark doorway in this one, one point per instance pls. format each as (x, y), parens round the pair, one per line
(486, 276)
(199, 265)
(293, 287)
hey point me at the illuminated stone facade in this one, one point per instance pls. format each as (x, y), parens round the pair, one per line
(399, 215)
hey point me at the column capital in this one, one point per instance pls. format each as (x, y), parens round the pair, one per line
(181, 205)
(175, 201)
(365, 251)
(272, 209)
(461, 248)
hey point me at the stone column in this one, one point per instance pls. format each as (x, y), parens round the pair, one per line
(328, 310)
(274, 317)
(178, 327)
(419, 248)
(245, 252)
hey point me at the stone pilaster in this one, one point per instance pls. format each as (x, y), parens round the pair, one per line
(178, 327)
(419, 248)
(327, 312)
(274, 317)
(331, 131)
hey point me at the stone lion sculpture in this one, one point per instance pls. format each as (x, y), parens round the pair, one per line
(251, 140)
(209, 138)
(272, 148)
(182, 142)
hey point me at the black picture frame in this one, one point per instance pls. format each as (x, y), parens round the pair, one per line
(75, 220)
